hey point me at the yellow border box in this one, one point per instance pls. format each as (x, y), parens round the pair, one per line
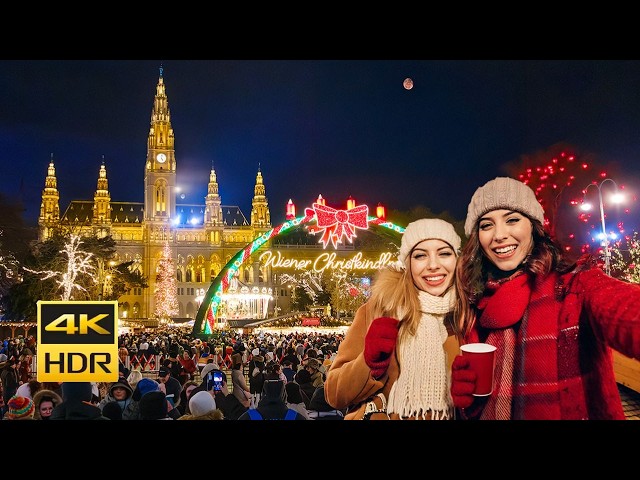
(77, 341)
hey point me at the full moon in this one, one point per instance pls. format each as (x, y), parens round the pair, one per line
(408, 83)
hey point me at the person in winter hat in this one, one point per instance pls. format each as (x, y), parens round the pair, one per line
(20, 408)
(132, 410)
(154, 406)
(202, 406)
(45, 401)
(553, 320)
(395, 360)
(315, 368)
(144, 386)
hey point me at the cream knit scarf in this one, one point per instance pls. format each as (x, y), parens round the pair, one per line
(424, 383)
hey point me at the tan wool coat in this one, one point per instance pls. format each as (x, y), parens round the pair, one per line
(349, 382)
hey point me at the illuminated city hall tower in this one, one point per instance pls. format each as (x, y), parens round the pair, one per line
(202, 237)
(160, 167)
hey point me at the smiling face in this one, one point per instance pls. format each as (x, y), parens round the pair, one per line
(506, 238)
(433, 263)
(119, 393)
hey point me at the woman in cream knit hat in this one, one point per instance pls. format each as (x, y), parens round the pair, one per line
(553, 322)
(395, 360)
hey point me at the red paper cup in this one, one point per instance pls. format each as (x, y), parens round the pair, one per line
(482, 361)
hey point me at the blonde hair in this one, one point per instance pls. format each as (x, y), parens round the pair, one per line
(393, 294)
(134, 377)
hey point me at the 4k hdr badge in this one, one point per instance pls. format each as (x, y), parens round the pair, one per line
(77, 341)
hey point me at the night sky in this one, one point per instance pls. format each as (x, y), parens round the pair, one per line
(330, 127)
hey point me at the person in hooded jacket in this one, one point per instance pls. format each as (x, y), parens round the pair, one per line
(76, 403)
(120, 392)
(45, 401)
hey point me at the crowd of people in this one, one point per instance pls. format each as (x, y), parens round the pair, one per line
(553, 321)
(169, 375)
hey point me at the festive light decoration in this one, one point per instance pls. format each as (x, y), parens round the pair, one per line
(79, 263)
(625, 258)
(308, 280)
(206, 316)
(338, 223)
(291, 210)
(166, 294)
(558, 183)
(324, 261)
(9, 268)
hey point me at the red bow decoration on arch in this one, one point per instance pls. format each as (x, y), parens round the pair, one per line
(339, 223)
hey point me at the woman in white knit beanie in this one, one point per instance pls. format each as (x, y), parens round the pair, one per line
(395, 359)
(552, 320)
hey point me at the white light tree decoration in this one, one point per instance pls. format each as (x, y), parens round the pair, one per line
(9, 268)
(307, 280)
(79, 263)
(345, 294)
(166, 293)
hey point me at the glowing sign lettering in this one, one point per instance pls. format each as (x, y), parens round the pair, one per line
(325, 261)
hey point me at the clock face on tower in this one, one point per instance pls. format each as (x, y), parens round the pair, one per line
(161, 157)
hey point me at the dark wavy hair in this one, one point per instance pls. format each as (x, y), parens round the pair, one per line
(473, 266)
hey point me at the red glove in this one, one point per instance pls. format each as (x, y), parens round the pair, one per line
(463, 382)
(379, 344)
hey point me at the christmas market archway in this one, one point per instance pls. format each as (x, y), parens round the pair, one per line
(333, 224)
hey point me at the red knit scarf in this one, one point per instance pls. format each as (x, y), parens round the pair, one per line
(503, 305)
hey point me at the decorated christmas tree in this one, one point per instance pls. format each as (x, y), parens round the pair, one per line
(166, 294)
(625, 258)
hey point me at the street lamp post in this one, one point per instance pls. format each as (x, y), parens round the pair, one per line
(616, 198)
